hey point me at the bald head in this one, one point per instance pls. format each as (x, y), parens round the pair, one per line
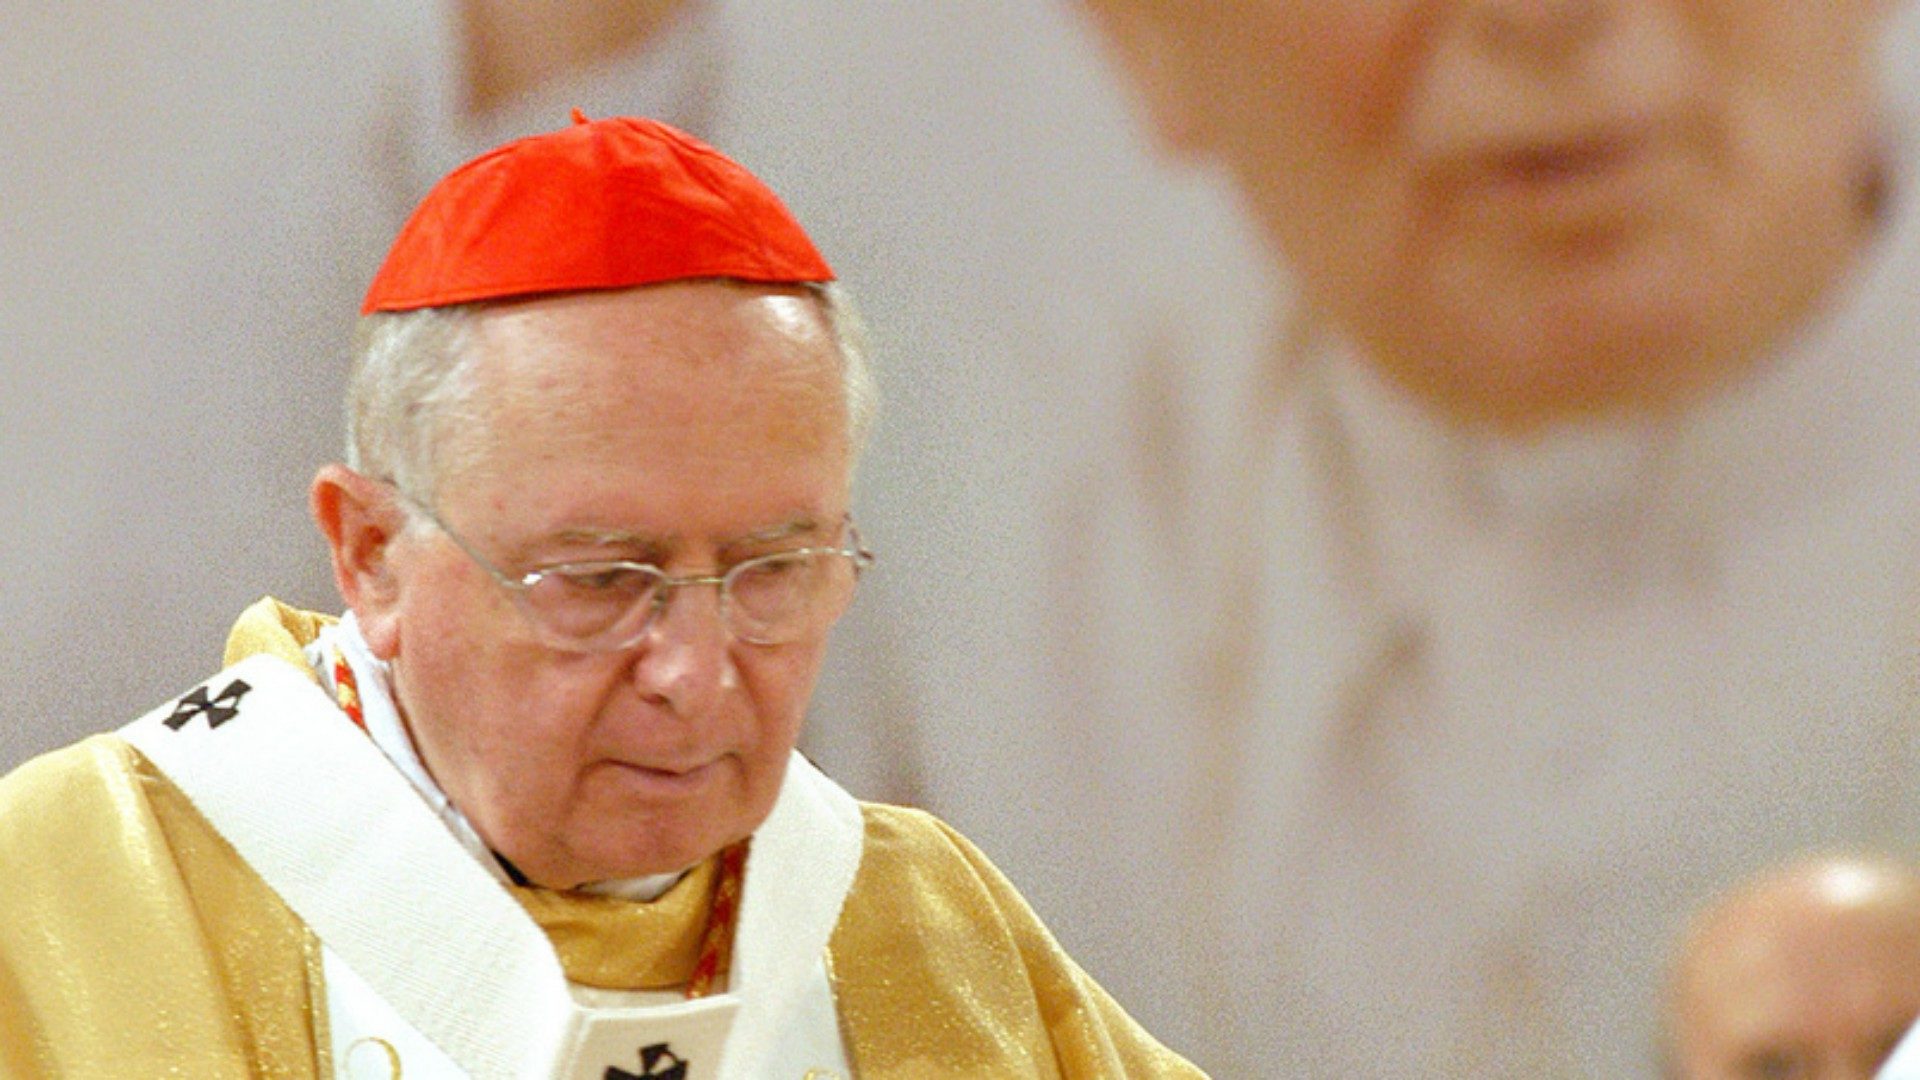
(1811, 972)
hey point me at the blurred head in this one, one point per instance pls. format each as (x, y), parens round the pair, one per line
(1528, 210)
(1811, 973)
(543, 422)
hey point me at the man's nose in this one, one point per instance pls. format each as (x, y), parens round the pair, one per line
(686, 656)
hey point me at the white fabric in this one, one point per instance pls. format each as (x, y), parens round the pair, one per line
(1468, 726)
(195, 202)
(1905, 1062)
(419, 921)
(384, 726)
(370, 1039)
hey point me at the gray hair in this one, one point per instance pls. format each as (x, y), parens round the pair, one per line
(412, 382)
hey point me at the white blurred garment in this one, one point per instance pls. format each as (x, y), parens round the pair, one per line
(1475, 723)
(195, 197)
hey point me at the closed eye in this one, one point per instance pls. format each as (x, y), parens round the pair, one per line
(622, 577)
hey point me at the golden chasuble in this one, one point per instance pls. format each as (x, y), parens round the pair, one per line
(154, 952)
(148, 948)
(941, 970)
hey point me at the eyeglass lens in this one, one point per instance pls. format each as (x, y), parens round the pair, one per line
(772, 599)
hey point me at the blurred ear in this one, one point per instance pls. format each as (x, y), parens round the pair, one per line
(362, 518)
(1152, 44)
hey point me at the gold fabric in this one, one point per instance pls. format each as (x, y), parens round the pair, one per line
(133, 940)
(617, 944)
(941, 970)
(153, 949)
(277, 630)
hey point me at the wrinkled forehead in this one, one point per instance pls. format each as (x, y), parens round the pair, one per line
(704, 318)
(697, 363)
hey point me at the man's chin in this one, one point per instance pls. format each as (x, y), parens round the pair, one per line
(668, 851)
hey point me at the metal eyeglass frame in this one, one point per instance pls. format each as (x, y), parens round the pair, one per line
(519, 587)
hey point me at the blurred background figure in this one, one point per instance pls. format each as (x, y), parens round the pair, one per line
(1563, 558)
(1811, 972)
(193, 196)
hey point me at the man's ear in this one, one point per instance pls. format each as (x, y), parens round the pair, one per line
(362, 518)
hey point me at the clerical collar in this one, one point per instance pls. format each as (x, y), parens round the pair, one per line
(381, 718)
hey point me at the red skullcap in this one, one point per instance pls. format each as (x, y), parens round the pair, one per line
(603, 204)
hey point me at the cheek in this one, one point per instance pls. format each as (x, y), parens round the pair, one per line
(1359, 66)
(1796, 61)
(1332, 73)
(1801, 105)
(1794, 35)
(498, 722)
(780, 682)
(1310, 123)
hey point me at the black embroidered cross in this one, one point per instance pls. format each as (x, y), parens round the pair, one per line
(217, 710)
(657, 1062)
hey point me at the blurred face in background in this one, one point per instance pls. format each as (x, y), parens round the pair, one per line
(1526, 210)
(1814, 975)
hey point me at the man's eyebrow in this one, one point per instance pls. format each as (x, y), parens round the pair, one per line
(796, 527)
(606, 538)
(800, 526)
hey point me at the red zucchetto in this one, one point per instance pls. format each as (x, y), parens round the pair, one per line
(603, 204)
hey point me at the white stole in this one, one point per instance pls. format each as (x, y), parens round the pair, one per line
(430, 960)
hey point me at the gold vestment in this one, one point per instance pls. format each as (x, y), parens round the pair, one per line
(134, 941)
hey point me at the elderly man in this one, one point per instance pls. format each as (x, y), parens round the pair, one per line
(1812, 971)
(532, 807)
